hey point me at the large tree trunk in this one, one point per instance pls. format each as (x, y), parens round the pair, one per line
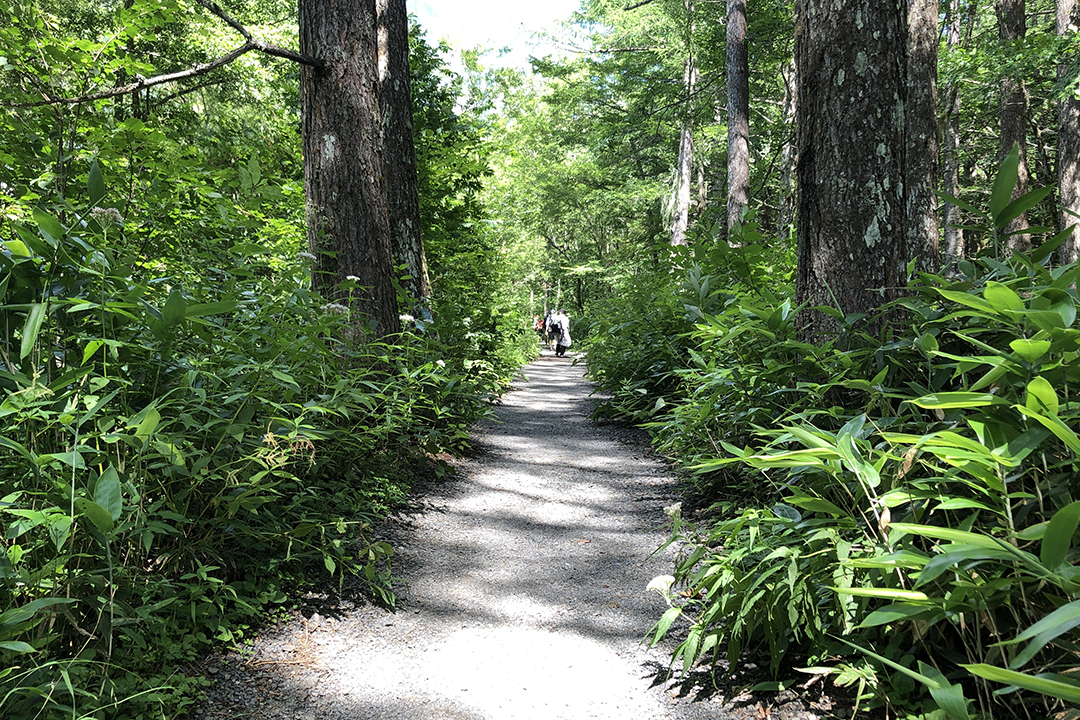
(1068, 154)
(399, 150)
(954, 235)
(867, 152)
(348, 227)
(738, 81)
(1012, 115)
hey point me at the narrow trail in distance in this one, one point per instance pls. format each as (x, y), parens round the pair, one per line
(526, 595)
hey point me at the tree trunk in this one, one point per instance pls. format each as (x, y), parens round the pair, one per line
(1068, 150)
(399, 150)
(348, 227)
(738, 81)
(681, 220)
(954, 235)
(867, 152)
(684, 179)
(1012, 116)
(788, 154)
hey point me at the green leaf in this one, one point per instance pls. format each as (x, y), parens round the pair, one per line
(948, 697)
(887, 593)
(895, 613)
(946, 400)
(1045, 684)
(1030, 350)
(1001, 194)
(664, 624)
(95, 184)
(148, 423)
(947, 534)
(96, 514)
(331, 566)
(1021, 205)
(963, 298)
(1059, 534)
(216, 308)
(16, 646)
(175, 308)
(107, 493)
(32, 327)
(1002, 298)
(1041, 396)
(1057, 623)
(1054, 425)
(49, 226)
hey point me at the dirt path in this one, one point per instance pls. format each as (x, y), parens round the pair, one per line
(526, 590)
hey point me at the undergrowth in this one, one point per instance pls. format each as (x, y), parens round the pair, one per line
(896, 512)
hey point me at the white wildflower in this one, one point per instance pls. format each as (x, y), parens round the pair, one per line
(306, 256)
(672, 511)
(440, 363)
(335, 309)
(352, 278)
(406, 318)
(661, 584)
(106, 216)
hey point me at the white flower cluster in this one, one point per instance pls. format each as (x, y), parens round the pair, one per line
(406, 318)
(306, 256)
(106, 216)
(672, 511)
(335, 309)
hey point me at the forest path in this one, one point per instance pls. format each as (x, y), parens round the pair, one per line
(526, 593)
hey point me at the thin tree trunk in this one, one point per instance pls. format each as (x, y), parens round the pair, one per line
(867, 152)
(954, 235)
(1012, 115)
(681, 220)
(348, 226)
(1068, 150)
(399, 150)
(684, 180)
(788, 154)
(738, 82)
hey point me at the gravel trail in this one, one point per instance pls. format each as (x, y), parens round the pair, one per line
(526, 593)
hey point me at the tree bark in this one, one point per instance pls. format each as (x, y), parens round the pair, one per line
(788, 154)
(348, 226)
(1068, 150)
(399, 150)
(685, 179)
(1012, 116)
(867, 152)
(738, 81)
(954, 235)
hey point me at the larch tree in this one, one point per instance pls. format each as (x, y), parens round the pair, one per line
(1012, 114)
(399, 148)
(738, 82)
(1068, 145)
(867, 152)
(348, 221)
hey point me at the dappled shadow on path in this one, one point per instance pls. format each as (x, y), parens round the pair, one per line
(526, 583)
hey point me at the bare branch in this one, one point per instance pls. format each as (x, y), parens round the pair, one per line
(194, 71)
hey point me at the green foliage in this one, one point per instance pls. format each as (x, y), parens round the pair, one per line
(908, 499)
(189, 435)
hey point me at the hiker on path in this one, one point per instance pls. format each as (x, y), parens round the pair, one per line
(562, 337)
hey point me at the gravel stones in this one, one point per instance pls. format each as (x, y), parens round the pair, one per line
(525, 597)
